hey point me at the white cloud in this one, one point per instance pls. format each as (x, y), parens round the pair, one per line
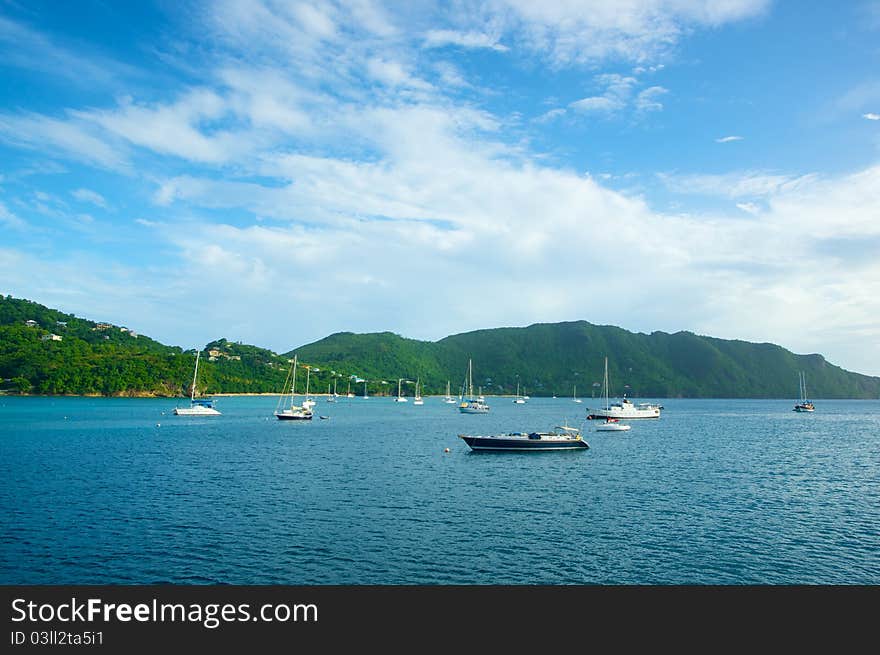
(647, 99)
(394, 74)
(728, 139)
(618, 90)
(550, 115)
(27, 48)
(747, 184)
(440, 38)
(10, 220)
(639, 31)
(176, 129)
(749, 207)
(871, 116)
(93, 197)
(70, 139)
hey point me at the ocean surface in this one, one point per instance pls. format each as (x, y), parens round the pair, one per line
(730, 492)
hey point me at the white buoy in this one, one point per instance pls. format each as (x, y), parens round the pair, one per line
(446, 450)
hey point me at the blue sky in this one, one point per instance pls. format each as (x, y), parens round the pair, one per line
(273, 172)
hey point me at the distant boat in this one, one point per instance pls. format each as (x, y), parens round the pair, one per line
(803, 405)
(471, 404)
(449, 400)
(400, 398)
(285, 409)
(349, 394)
(418, 397)
(519, 400)
(331, 398)
(625, 409)
(574, 395)
(562, 437)
(197, 406)
(612, 425)
(308, 403)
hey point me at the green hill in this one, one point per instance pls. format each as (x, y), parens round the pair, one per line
(564, 358)
(45, 351)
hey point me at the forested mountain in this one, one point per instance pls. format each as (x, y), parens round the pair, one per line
(45, 351)
(561, 358)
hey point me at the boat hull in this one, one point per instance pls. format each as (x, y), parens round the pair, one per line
(523, 443)
(198, 410)
(293, 416)
(624, 413)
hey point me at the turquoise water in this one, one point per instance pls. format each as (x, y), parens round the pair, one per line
(97, 491)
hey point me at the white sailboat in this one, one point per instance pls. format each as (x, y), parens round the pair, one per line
(418, 397)
(400, 398)
(610, 424)
(308, 403)
(472, 405)
(349, 394)
(285, 409)
(331, 398)
(365, 390)
(803, 405)
(574, 394)
(449, 400)
(197, 406)
(519, 400)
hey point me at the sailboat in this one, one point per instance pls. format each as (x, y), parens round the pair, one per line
(331, 398)
(365, 390)
(197, 406)
(308, 403)
(472, 405)
(519, 400)
(574, 395)
(349, 394)
(449, 400)
(610, 424)
(418, 398)
(400, 398)
(285, 410)
(804, 405)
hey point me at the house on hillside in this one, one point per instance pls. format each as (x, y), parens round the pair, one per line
(51, 337)
(31, 323)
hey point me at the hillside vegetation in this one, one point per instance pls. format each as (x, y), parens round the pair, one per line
(45, 351)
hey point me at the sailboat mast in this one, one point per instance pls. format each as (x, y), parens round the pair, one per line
(293, 381)
(605, 383)
(192, 395)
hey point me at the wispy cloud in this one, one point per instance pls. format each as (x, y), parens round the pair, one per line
(67, 138)
(93, 197)
(647, 99)
(728, 139)
(8, 219)
(746, 184)
(749, 207)
(25, 47)
(618, 90)
(440, 38)
(871, 116)
(551, 115)
(573, 33)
